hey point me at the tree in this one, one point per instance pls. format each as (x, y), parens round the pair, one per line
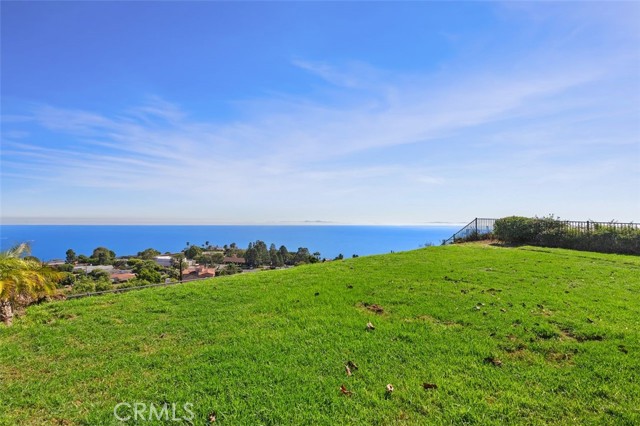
(229, 269)
(150, 275)
(99, 274)
(193, 252)
(217, 258)
(22, 278)
(251, 256)
(120, 263)
(302, 256)
(71, 256)
(148, 254)
(284, 254)
(134, 262)
(262, 253)
(144, 264)
(103, 256)
(147, 270)
(257, 254)
(274, 255)
(63, 268)
(179, 263)
(210, 259)
(230, 250)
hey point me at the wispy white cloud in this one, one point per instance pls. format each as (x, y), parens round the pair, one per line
(355, 75)
(546, 117)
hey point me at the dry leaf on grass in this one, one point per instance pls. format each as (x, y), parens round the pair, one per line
(389, 388)
(344, 391)
(376, 308)
(352, 365)
(346, 367)
(429, 386)
(370, 326)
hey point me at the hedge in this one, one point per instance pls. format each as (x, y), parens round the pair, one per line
(549, 232)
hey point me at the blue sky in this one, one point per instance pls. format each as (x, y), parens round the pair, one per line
(279, 112)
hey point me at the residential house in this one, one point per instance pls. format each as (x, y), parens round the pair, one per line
(122, 276)
(91, 268)
(234, 259)
(165, 260)
(198, 272)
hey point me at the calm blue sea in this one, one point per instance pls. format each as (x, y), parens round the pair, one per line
(52, 241)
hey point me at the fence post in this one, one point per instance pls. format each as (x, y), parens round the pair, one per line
(476, 226)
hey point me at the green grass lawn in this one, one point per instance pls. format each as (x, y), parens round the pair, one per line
(509, 335)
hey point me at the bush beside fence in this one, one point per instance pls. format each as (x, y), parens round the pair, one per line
(550, 232)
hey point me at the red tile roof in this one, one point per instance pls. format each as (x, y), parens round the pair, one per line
(125, 276)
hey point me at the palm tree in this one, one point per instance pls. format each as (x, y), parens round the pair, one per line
(22, 277)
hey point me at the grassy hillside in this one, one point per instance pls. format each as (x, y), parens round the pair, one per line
(520, 336)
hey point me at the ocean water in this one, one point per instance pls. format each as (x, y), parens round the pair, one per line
(50, 242)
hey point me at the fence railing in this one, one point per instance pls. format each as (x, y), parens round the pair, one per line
(589, 225)
(126, 289)
(480, 228)
(476, 229)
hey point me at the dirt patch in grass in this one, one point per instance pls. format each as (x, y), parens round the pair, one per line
(560, 356)
(12, 375)
(570, 334)
(63, 316)
(514, 347)
(589, 337)
(373, 307)
(520, 354)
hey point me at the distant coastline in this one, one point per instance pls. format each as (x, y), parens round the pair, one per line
(49, 221)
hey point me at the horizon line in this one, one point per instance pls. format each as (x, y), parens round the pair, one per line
(95, 222)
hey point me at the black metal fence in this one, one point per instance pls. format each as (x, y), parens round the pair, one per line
(482, 228)
(477, 229)
(589, 225)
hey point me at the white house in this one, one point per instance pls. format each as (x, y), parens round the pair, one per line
(163, 260)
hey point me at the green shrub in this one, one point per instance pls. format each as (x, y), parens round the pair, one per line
(550, 232)
(136, 282)
(84, 285)
(515, 230)
(103, 285)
